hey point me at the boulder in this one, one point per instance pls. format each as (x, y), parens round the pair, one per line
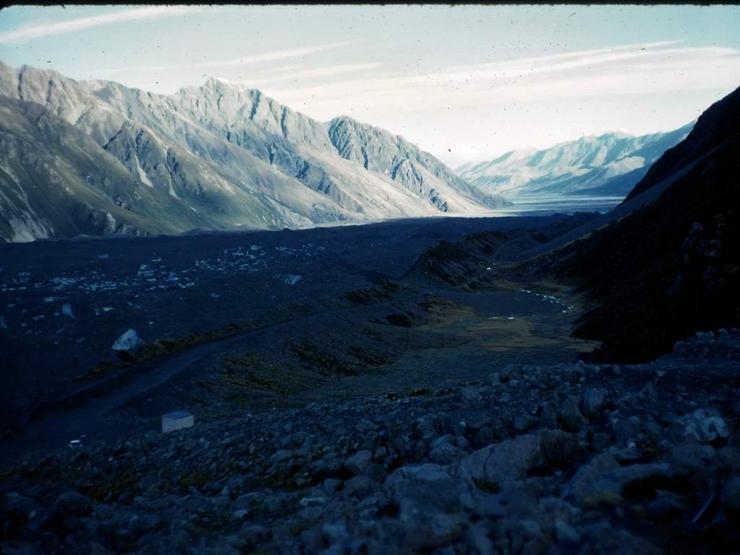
(704, 425)
(128, 342)
(508, 460)
(582, 485)
(514, 459)
(359, 461)
(602, 483)
(443, 451)
(594, 402)
(570, 417)
(417, 472)
(360, 486)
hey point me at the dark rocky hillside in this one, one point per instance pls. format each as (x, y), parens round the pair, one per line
(720, 123)
(670, 268)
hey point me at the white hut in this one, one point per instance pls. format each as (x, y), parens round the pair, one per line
(176, 420)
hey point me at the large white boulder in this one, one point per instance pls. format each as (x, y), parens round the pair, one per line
(128, 341)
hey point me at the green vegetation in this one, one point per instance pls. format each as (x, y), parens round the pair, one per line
(383, 290)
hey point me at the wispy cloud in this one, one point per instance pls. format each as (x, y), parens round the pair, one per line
(529, 67)
(78, 24)
(292, 73)
(272, 56)
(633, 69)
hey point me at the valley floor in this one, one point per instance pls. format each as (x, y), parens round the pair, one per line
(206, 305)
(388, 401)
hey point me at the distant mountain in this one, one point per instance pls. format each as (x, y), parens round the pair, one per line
(609, 164)
(670, 265)
(96, 157)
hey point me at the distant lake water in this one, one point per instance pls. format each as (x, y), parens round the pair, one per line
(563, 205)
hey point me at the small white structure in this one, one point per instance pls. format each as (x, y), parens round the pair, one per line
(176, 420)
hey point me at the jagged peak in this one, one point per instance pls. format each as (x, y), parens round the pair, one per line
(45, 71)
(347, 120)
(368, 128)
(221, 85)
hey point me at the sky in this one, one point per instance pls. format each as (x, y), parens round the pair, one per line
(465, 83)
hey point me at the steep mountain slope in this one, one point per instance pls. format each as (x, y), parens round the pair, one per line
(425, 176)
(609, 164)
(56, 181)
(717, 125)
(53, 180)
(671, 267)
(235, 158)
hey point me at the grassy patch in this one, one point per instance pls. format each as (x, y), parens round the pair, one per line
(240, 374)
(383, 290)
(317, 359)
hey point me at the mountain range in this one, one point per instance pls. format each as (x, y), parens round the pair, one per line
(96, 157)
(610, 164)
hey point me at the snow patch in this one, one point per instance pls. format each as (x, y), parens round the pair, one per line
(142, 175)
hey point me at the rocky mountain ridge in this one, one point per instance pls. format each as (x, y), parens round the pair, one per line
(217, 156)
(667, 268)
(608, 164)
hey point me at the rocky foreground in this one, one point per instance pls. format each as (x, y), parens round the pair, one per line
(550, 459)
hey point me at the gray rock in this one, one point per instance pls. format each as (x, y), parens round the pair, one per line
(607, 488)
(418, 472)
(583, 484)
(524, 422)
(254, 534)
(508, 460)
(484, 503)
(281, 455)
(360, 486)
(594, 402)
(331, 485)
(444, 452)
(565, 534)
(548, 415)
(704, 425)
(570, 416)
(248, 501)
(426, 532)
(359, 461)
(380, 454)
(520, 536)
(129, 341)
(312, 501)
(559, 449)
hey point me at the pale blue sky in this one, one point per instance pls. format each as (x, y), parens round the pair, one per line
(464, 82)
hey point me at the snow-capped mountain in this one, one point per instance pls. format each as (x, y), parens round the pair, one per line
(96, 157)
(610, 164)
